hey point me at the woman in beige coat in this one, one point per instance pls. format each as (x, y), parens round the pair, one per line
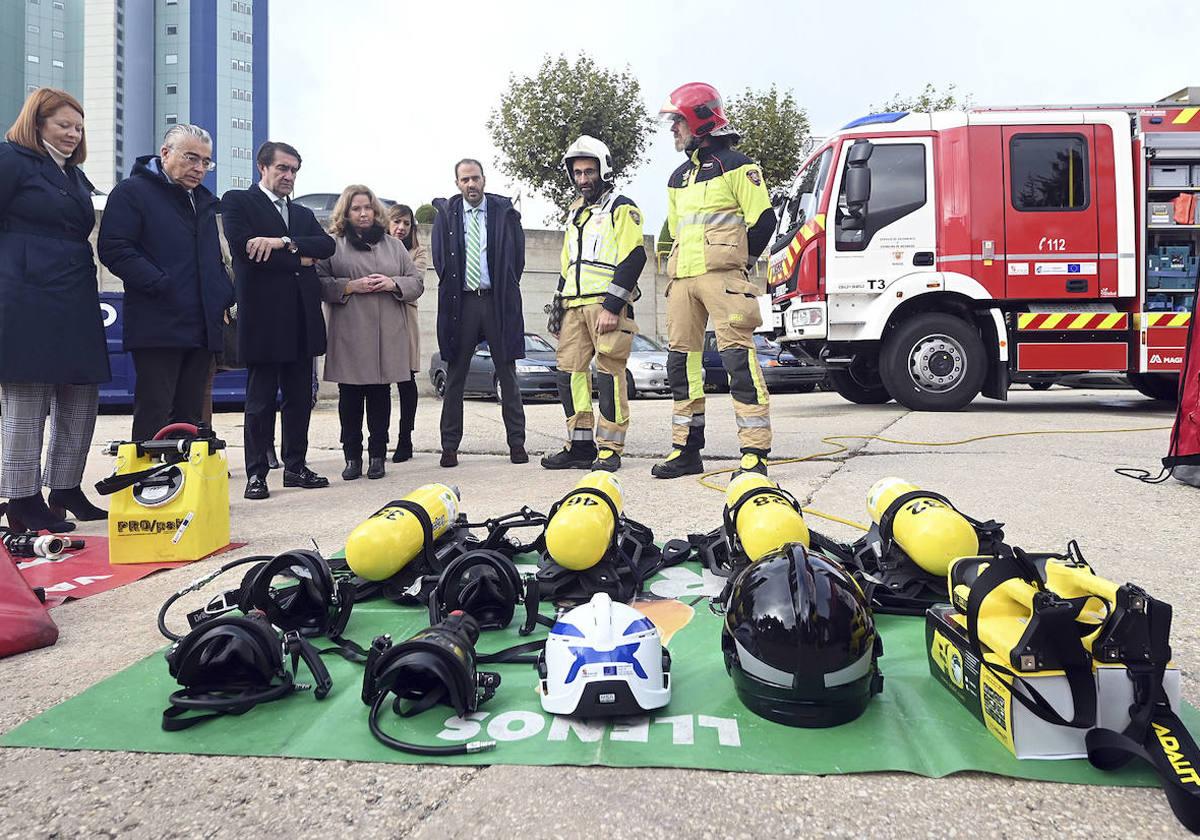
(402, 226)
(366, 285)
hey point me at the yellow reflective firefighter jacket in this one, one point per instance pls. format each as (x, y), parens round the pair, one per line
(603, 253)
(711, 201)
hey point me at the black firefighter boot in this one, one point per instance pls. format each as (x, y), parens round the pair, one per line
(682, 461)
(578, 456)
(753, 460)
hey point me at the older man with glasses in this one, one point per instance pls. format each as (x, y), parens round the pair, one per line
(159, 235)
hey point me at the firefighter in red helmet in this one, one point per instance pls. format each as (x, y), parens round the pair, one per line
(719, 214)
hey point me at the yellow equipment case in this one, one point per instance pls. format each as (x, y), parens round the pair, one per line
(170, 497)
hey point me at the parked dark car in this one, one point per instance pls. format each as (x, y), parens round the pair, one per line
(536, 373)
(229, 387)
(322, 204)
(782, 371)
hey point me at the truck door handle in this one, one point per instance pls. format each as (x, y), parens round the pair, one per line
(1077, 285)
(923, 258)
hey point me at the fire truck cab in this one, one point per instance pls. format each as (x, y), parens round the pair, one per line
(928, 258)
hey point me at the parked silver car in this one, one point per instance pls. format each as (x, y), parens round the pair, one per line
(646, 371)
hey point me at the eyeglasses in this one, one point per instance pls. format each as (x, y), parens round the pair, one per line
(207, 164)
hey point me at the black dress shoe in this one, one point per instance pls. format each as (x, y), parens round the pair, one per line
(306, 478)
(375, 468)
(256, 488)
(518, 455)
(449, 458)
(31, 514)
(353, 469)
(73, 500)
(273, 460)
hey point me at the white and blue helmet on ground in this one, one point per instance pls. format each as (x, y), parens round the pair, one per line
(604, 659)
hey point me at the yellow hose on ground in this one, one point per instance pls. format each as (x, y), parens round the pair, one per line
(839, 448)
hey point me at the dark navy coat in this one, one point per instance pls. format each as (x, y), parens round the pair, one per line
(505, 260)
(169, 258)
(51, 330)
(279, 300)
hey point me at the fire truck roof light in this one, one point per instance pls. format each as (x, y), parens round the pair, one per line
(874, 119)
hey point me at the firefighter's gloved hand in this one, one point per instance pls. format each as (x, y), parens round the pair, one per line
(555, 310)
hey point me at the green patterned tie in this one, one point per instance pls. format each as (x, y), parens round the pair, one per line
(473, 251)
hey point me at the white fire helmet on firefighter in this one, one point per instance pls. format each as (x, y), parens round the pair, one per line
(604, 659)
(589, 147)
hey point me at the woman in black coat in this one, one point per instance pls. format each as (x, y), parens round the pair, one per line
(53, 355)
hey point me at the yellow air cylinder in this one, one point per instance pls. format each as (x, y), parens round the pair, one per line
(582, 528)
(1009, 606)
(386, 542)
(765, 522)
(931, 532)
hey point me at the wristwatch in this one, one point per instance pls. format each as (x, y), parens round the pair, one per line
(289, 244)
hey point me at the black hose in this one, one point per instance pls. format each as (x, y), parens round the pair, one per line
(196, 586)
(418, 749)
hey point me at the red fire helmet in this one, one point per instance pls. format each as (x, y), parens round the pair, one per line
(701, 107)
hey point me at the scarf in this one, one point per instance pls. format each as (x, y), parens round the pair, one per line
(56, 155)
(363, 241)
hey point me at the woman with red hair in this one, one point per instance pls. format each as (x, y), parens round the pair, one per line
(53, 355)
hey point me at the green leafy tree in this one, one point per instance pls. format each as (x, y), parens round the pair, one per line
(664, 239)
(929, 99)
(425, 214)
(774, 130)
(541, 115)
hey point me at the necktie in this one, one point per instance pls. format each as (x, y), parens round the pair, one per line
(283, 210)
(473, 251)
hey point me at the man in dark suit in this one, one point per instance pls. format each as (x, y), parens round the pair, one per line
(274, 244)
(479, 253)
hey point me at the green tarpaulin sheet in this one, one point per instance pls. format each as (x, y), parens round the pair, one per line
(915, 725)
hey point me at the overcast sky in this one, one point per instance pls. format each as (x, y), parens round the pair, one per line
(391, 94)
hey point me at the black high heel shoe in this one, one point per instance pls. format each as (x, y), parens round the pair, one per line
(73, 500)
(31, 514)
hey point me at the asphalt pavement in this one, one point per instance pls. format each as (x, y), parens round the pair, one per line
(1047, 487)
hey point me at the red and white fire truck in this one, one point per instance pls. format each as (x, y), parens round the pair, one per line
(929, 257)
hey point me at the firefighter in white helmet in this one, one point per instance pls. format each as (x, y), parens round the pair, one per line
(602, 257)
(720, 216)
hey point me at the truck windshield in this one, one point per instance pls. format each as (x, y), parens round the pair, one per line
(805, 195)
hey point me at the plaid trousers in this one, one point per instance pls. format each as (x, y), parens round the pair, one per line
(72, 410)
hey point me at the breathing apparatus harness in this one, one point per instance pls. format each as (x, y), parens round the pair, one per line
(892, 581)
(721, 551)
(436, 666)
(412, 585)
(230, 664)
(317, 604)
(631, 558)
(1135, 633)
(1053, 638)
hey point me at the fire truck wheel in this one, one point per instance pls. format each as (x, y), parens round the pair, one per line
(849, 386)
(1157, 386)
(934, 362)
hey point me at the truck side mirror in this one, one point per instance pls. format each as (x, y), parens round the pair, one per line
(858, 184)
